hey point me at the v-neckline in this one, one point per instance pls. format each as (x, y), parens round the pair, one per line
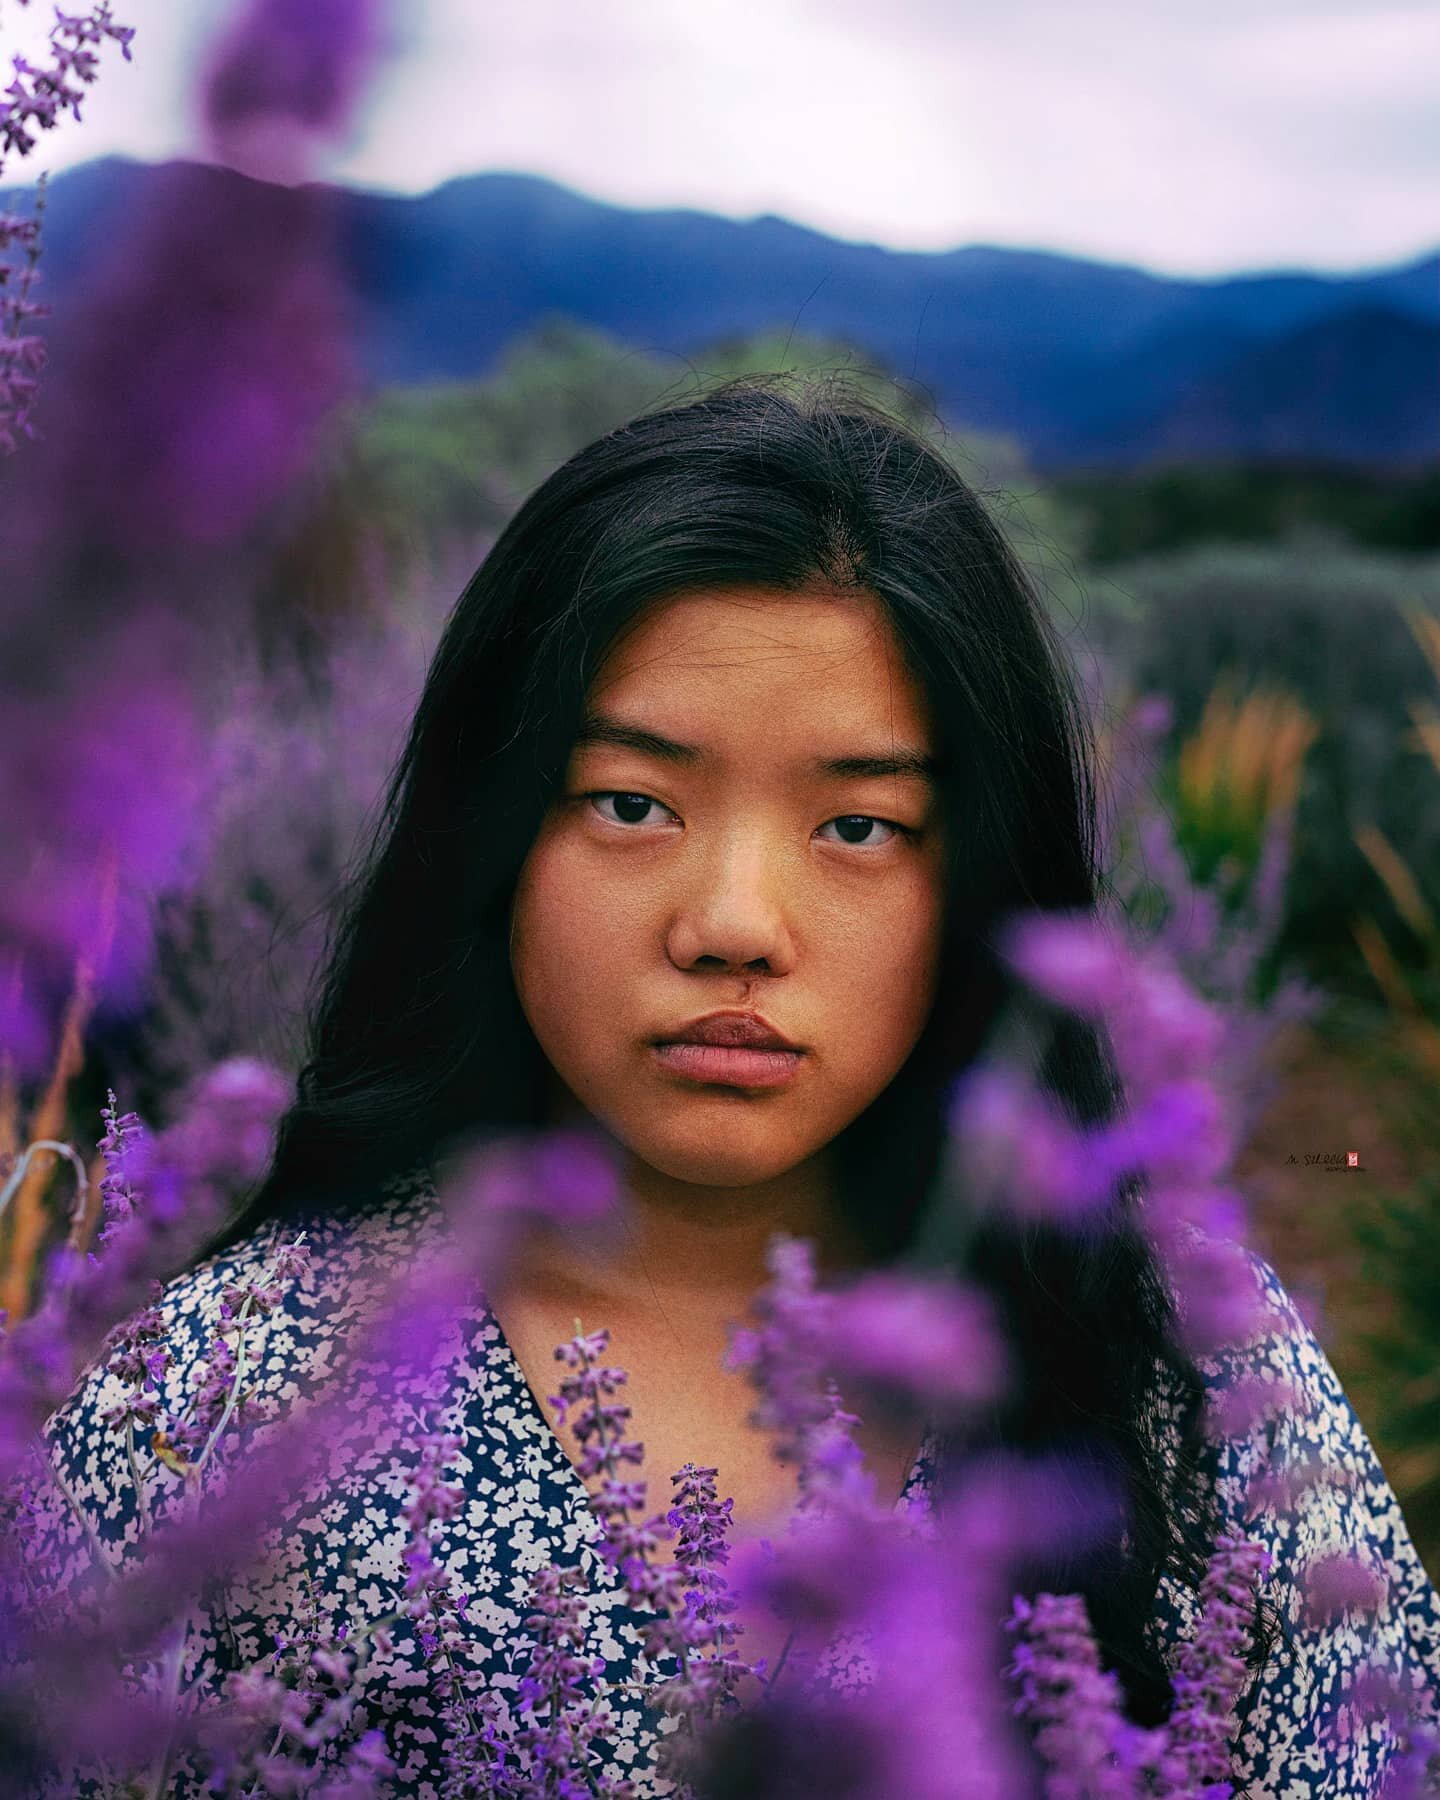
(563, 1467)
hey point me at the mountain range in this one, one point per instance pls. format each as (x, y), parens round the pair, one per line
(1090, 365)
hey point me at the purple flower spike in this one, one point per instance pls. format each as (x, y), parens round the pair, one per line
(36, 96)
(511, 1186)
(1018, 1150)
(1074, 1706)
(1211, 1673)
(227, 1128)
(1072, 958)
(1179, 1129)
(935, 1342)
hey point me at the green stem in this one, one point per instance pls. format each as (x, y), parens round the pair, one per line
(96, 1543)
(174, 1671)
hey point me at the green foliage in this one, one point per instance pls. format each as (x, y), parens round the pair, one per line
(1328, 629)
(1399, 1238)
(1161, 510)
(461, 456)
(456, 459)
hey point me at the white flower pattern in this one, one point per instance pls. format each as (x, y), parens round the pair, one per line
(526, 1506)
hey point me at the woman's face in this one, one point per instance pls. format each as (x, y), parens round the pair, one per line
(737, 873)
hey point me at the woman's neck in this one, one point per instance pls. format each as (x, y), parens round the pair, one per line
(687, 1245)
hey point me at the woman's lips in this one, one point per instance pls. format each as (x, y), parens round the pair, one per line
(731, 1068)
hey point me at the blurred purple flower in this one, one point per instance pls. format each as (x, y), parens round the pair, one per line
(25, 1032)
(1283, 1487)
(209, 348)
(22, 351)
(111, 777)
(285, 78)
(503, 1190)
(921, 1614)
(1019, 1150)
(1179, 1128)
(1153, 715)
(1072, 958)
(785, 1359)
(1236, 1408)
(1411, 1725)
(227, 1126)
(929, 1341)
(1338, 1582)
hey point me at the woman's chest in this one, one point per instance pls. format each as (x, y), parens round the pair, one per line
(685, 1406)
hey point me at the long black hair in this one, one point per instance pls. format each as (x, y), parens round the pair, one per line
(417, 1040)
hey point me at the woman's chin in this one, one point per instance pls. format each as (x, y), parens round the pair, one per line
(708, 1161)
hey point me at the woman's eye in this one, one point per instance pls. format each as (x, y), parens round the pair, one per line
(856, 829)
(863, 825)
(627, 805)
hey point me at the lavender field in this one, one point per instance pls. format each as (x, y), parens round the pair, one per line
(1182, 1163)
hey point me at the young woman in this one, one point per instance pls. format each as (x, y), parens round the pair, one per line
(745, 732)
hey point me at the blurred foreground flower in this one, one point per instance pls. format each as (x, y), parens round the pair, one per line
(921, 1594)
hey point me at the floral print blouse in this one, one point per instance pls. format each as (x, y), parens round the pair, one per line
(527, 1506)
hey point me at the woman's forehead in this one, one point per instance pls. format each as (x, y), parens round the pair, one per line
(759, 648)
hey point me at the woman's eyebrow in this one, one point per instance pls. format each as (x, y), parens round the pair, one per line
(605, 728)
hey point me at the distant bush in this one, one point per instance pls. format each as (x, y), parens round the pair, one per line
(1331, 630)
(1158, 510)
(453, 460)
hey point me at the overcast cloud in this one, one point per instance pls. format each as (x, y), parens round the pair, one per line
(1190, 139)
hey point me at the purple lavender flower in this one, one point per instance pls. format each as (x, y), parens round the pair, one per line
(557, 1742)
(920, 1340)
(36, 95)
(22, 351)
(213, 331)
(278, 1716)
(1020, 1151)
(30, 104)
(1211, 1672)
(474, 1750)
(690, 1595)
(1075, 1707)
(120, 1149)
(785, 1358)
(628, 1545)
(1174, 1129)
(228, 1118)
(702, 1634)
(139, 1358)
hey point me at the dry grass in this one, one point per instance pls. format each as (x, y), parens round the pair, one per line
(1243, 761)
(30, 1218)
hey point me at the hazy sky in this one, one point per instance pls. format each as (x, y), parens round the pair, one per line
(1191, 138)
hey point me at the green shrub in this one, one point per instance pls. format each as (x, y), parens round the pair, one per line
(1328, 628)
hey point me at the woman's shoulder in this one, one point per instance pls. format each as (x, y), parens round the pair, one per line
(1290, 1442)
(308, 1302)
(1295, 1471)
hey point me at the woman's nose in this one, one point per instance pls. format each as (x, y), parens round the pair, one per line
(736, 913)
